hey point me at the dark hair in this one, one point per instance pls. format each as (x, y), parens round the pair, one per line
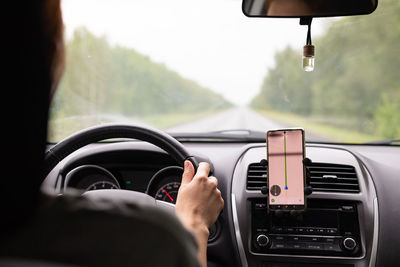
(31, 39)
(53, 33)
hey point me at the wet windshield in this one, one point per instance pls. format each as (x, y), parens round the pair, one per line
(197, 66)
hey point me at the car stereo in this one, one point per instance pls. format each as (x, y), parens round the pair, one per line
(328, 228)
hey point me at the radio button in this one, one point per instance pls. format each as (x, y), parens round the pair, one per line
(331, 231)
(332, 247)
(310, 230)
(278, 230)
(305, 238)
(300, 230)
(262, 240)
(328, 240)
(327, 230)
(297, 245)
(290, 230)
(294, 238)
(279, 238)
(279, 245)
(349, 244)
(314, 246)
(310, 239)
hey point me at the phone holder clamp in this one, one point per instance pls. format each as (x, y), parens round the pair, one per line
(307, 189)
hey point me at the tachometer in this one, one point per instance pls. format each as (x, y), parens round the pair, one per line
(91, 177)
(102, 185)
(168, 192)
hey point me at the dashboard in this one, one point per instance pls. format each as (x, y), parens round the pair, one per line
(346, 224)
(127, 170)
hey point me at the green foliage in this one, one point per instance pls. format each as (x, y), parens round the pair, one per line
(102, 79)
(357, 62)
(285, 87)
(387, 117)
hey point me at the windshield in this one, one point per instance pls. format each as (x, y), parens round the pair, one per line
(194, 66)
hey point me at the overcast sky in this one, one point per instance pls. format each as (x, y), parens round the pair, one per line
(209, 41)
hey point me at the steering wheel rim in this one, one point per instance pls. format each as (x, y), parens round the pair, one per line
(108, 131)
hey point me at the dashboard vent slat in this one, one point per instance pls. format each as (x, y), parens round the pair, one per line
(324, 177)
(333, 178)
(256, 176)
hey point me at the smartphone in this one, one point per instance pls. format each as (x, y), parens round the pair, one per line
(286, 171)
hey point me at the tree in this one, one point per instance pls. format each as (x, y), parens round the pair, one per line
(357, 64)
(100, 79)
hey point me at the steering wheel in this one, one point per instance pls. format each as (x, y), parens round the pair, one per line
(108, 131)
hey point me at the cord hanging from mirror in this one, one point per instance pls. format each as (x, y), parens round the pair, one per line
(309, 49)
(308, 41)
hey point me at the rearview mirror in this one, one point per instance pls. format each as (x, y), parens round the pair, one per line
(307, 8)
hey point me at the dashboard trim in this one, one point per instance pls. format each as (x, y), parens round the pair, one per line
(242, 254)
(374, 250)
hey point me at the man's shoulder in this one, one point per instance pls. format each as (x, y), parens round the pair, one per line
(105, 232)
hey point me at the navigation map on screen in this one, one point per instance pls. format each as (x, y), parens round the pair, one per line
(285, 167)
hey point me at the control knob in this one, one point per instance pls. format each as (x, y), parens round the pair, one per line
(262, 240)
(349, 243)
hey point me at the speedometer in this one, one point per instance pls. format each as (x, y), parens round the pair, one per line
(168, 192)
(164, 185)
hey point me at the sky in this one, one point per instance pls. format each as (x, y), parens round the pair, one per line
(208, 41)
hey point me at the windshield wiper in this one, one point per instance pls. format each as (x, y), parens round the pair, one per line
(384, 142)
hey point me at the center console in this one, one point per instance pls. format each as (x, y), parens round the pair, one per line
(328, 228)
(338, 228)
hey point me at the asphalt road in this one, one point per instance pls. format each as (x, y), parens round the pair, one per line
(234, 119)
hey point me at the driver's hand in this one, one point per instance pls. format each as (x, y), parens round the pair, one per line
(199, 201)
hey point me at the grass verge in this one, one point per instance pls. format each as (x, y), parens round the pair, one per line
(60, 128)
(333, 133)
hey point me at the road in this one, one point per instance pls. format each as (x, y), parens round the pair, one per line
(236, 118)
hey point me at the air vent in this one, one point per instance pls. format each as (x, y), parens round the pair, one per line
(256, 176)
(333, 178)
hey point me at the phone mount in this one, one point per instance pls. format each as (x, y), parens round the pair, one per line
(307, 189)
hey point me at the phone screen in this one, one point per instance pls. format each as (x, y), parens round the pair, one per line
(285, 169)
